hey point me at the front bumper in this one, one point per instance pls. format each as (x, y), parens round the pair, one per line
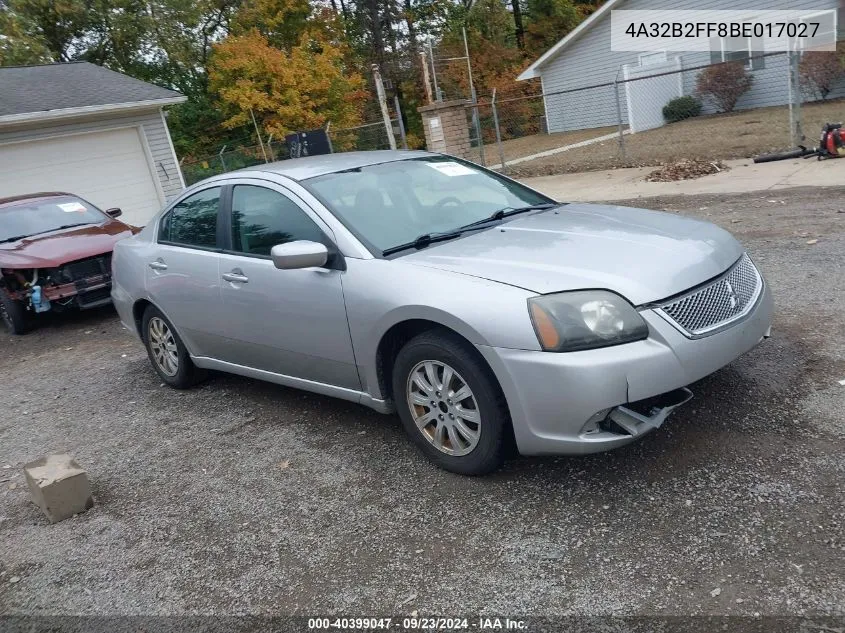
(560, 402)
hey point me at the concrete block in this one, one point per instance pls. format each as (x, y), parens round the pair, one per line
(58, 486)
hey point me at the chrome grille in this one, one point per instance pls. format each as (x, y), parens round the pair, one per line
(726, 299)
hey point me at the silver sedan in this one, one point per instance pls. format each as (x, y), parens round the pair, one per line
(479, 310)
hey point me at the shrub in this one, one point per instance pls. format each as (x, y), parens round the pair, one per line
(819, 71)
(724, 84)
(681, 108)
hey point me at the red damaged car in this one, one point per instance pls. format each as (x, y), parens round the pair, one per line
(55, 254)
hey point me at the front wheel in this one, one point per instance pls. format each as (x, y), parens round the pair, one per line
(167, 352)
(14, 315)
(450, 404)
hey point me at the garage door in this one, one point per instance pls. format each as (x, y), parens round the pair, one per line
(109, 169)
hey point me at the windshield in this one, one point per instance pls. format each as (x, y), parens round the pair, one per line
(393, 203)
(41, 216)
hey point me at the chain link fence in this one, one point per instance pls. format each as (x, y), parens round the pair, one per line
(374, 134)
(738, 108)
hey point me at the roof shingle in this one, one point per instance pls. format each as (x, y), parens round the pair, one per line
(29, 89)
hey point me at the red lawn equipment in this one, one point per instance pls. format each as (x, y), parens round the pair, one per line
(831, 145)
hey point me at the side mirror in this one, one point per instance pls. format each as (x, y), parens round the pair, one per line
(114, 213)
(299, 254)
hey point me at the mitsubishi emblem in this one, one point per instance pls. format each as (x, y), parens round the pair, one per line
(732, 298)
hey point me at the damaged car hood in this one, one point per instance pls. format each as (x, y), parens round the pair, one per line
(53, 249)
(643, 255)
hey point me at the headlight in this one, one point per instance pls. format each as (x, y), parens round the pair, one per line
(584, 319)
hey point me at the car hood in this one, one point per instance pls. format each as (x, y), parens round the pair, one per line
(642, 255)
(59, 247)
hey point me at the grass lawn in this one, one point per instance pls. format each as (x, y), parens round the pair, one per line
(741, 134)
(527, 145)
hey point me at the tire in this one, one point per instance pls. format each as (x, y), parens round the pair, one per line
(176, 369)
(14, 315)
(468, 447)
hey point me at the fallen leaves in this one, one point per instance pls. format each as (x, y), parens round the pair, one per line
(685, 170)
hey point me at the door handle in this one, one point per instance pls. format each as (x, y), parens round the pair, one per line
(235, 277)
(158, 265)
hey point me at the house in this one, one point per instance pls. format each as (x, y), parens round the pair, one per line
(82, 128)
(579, 72)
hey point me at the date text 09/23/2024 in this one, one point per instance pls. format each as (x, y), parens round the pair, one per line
(417, 623)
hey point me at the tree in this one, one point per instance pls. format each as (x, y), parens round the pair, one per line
(519, 28)
(17, 47)
(299, 89)
(724, 84)
(549, 21)
(819, 71)
(282, 22)
(46, 27)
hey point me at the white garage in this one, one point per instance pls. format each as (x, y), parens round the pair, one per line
(115, 153)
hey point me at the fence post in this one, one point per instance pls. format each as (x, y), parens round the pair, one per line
(796, 131)
(401, 123)
(498, 133)
(260, 141)
(270, 147)
(619, 114)
(382, 101)
(329, 137)
(220, 156)
(437, 94)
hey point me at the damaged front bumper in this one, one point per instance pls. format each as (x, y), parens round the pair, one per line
(638, 422)
(81, 284)
(594, 400)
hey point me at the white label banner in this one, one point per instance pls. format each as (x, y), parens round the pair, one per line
(753, 31)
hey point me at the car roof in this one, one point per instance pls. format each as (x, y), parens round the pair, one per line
(13, 201)
(311, 166)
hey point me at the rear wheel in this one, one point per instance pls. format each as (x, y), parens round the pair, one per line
(450, 404)
(167, 352)
(14, 315)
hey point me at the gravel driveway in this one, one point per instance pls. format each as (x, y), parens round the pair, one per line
(244, 497)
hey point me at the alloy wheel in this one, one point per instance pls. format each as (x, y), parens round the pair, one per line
(163, 346)
(443, 407)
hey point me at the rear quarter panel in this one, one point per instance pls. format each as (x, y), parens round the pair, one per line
(128, 272)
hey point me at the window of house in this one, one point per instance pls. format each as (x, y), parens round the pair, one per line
(193, 221)
(747, 50)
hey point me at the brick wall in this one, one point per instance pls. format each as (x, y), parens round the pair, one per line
(446, 128)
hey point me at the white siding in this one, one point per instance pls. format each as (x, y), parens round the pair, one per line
(589, 61)
(154, 131)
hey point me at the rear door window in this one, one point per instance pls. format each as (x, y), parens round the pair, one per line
(193, 221)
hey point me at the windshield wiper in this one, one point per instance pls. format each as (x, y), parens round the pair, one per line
(423, 240)
(65, 226)
(58, 228)
(430, 238)
(501, 214)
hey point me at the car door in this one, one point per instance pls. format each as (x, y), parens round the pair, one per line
(290, 322)
(181, 274)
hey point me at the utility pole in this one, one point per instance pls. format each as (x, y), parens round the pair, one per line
(382, 101)
(426, 79)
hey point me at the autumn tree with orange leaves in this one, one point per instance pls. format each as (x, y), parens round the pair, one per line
(287, 69)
